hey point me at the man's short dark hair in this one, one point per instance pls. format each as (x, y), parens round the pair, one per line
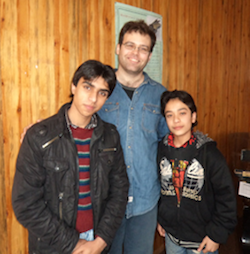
(183, 96)
(93, 69)
(138, 26)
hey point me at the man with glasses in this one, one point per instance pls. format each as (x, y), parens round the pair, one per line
(134, 107)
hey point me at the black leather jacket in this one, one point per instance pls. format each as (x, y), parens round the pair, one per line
(45, 189)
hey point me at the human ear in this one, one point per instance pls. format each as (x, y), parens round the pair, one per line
(194, 115)
(73, 88)
(149, 57)
(118, 49)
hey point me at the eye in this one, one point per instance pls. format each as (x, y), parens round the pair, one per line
(87, 87)
(144, 50)
(104, 93)
(183, 113)
(168, 116)
(129, 46)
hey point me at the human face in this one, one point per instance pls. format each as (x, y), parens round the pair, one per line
(179, 119)
(89, 97)
(134, 60)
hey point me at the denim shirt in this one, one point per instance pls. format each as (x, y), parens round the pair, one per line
(141, 126)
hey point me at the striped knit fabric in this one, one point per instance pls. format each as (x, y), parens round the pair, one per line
(84, 220)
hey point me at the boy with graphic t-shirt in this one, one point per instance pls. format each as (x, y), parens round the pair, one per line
(197, 208)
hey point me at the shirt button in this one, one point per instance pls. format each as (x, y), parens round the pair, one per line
(130, 199)
(129, 147)
(56, 168)
(132, 108)
(130, 127)
(128, 166)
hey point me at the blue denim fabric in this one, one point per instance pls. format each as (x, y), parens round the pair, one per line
(140, 125)
(172, 248)
(137, 234)
(88, 235)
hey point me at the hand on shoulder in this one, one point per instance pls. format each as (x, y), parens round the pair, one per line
(26, 128)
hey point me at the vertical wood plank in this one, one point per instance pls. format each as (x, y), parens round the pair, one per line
(4, 240)
(107, 27)
(147, 5)
(93, 30)
(204, 64)
(243, 82)
(190, 51)
(3, 209)
(10, 100)
(172, 44)
(63, 86)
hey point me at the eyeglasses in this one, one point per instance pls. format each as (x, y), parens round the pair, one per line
(131, 46)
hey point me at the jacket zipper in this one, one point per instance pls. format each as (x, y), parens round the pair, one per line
(92, 193)
(60, 205)
(107, 150)
(178, 207)
(77, 176)
(51, 141)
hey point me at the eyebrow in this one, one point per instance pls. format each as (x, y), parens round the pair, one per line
(169, 111)
(137, 44)
(90, 84)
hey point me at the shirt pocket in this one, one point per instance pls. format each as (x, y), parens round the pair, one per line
(110, 113)
(56, 177)
(106, 160)
(150, 117)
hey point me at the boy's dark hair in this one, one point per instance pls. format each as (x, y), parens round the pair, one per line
(137, 26)
(183, 96)
(93, 69)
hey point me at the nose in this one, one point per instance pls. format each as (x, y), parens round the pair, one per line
(176, 119)
(93, 96)
(135, 50)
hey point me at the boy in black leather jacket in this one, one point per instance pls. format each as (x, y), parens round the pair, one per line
(70, 187)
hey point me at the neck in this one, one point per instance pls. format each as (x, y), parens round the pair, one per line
(129, 79)
(180, 141)
(77, 120)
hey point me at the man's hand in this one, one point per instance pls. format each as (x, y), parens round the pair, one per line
(208, 245)
(161, 230)
(90, 247)
(26, 128)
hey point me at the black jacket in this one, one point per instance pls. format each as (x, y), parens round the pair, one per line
(208, 203)
(45, 189)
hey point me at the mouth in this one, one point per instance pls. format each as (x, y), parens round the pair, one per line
(89, 107)
(177, 128)
(134, 60)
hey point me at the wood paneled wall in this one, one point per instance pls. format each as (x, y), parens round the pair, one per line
(206, 52)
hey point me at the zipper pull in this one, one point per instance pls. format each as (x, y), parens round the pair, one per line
(60, 204)
(60, 196)
(107, 150)
(51, 141)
